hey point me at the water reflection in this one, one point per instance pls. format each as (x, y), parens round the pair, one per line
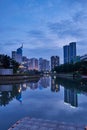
(7, 93)
(44, 82)
(70, 97)
(71, 90)
(55, 87)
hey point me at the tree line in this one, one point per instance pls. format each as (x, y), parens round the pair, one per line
(80, 67)
(7, 62)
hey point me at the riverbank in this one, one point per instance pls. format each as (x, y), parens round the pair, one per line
(6, 79)
(71, 76)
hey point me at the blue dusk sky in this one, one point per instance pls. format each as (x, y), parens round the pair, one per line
(43, 26)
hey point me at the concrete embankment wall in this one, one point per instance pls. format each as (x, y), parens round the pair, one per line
(70, 76)
(17, 78)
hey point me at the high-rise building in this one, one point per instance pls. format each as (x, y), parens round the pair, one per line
(14, 55)
(54, 61)
(17, 55)
(44, 65)
(33, 64)
(66, 54)
(72, 51)
(69, 52)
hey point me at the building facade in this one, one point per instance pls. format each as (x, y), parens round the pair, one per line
(72, 51)
(66, 54)
(33, 64)
(54, 61)
(17, 55)
(69, 52)
(44, 65)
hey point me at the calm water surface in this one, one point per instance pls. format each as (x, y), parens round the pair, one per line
(49, 98)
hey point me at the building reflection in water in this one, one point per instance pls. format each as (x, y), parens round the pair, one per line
(21, 87)
(70, 97)
(44, 82)
(33, 85)
(19, 95)
(7, 93)
(55, 87)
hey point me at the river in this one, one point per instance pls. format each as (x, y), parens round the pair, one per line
(49, 98)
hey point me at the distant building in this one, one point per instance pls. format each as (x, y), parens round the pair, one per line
(69, 52)
(25, 63)
(72, 51)
(25, 59)
(66, 54)
(54, 61)
(83, 58)
(33, 64)
(44, 65)
(17, 55)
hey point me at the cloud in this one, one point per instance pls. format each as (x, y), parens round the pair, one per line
(43, 25)
(36, 34)
(66, 28)
(43, 52)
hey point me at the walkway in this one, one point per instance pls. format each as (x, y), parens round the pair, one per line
(39, 124)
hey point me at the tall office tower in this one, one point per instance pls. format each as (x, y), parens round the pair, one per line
(17, 55)
(69, 52)
(72, 51)
(40, 64)
(54, 61)
(66, 54)
(44, 65)
(33, 64)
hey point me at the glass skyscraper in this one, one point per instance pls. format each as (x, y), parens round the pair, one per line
(66, 54)
(19, 51)
(69, 52)
(17, 55)
(72, 51)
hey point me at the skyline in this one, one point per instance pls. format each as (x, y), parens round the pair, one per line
(43, 27)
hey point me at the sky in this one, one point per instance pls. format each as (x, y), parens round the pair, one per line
(43, 26)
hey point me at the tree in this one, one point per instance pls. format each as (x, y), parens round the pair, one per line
(7, 62)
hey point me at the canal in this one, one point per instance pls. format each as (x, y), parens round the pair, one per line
(49, 98)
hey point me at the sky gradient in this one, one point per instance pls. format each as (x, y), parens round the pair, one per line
(43, 26)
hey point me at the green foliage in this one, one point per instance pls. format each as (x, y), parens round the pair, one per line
(81, 67)
(7, 62)
(15, 65)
